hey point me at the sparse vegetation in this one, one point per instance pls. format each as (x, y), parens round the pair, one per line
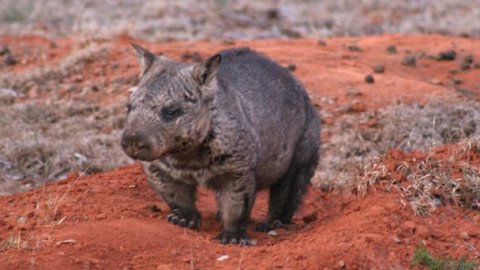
(166, 20)
(46, 141)
(351, 157)
(424, 257)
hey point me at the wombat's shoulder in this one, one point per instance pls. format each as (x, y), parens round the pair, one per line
(243, 55)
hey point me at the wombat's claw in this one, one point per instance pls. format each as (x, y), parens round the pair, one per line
(264, 227)
(235, 239)
(190, 220)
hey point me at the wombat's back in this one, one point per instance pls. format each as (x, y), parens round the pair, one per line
(276, 105)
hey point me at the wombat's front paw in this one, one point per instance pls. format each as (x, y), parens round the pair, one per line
(265, 227)
(185, 218)
(235, 239)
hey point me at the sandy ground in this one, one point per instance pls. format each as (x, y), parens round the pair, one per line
(108, 220)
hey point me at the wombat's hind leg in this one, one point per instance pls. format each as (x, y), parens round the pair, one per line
(298, 187)
(277, 200)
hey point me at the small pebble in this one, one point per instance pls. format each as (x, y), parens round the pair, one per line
(292, 67)
(326, 187)
(272, 233)
(456, 81)
(154, 208)
(354, 48)
(222, 258)
(9, 60)
(436, 81)
(468, 59)
(392, 49)
(369, 79)
(448, 55)
(464, 66)
(4, 50)
(464, 236)
(409, 60)
(397, 240)
(310, 217)
(453, 71)
(379, 68)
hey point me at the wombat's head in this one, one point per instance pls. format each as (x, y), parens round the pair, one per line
(169, 111)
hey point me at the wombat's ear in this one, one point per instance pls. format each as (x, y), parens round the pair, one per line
(144, 57)
(204, 72)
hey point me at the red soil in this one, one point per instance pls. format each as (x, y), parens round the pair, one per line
(106, 220)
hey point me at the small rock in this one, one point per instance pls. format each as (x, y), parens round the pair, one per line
(322, 43)
(409, 60)
(397, 240)
(448, 55)
(9, 60)
(379, 68)
(464, 66)
(354, 48)
(392, 49)
(435, 81)
(369, 79)
(342, 264)
(453, 71)
(464, 236)
(310, 217)
(292, 67)
(4, 50)
(468, 59)
(272, 233)
(456, 81)
(101, 216)
(222, 258)
(68, 241)
(77, 78)
(326, 187)
(153, 207)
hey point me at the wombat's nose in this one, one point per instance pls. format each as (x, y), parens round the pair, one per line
(136, 145)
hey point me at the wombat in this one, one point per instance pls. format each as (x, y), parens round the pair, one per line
(235, 123)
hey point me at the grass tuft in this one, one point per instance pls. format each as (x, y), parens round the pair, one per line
(424, 257)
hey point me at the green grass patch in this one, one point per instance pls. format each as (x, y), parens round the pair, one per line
(424, 257)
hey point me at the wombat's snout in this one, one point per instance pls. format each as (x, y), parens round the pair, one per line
(136, 146)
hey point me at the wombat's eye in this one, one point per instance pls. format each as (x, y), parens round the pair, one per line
(169, 114)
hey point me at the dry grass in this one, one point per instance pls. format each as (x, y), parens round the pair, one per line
(432, 182)
(349, 152)
(46, 78)
(242, 19)
(43, 142)
(352, 159)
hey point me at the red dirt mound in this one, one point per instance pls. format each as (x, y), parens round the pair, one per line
(114, 220)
